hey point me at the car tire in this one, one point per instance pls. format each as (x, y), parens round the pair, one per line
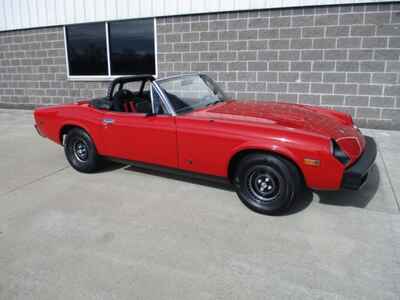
(267, 184)
(81, 152)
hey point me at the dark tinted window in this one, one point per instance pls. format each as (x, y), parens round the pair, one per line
(87, 54)
(132, 47)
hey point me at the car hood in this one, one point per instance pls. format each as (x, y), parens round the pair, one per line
(281, 114)
(326, 122)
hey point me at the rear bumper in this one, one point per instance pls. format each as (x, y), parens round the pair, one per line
(355, 176)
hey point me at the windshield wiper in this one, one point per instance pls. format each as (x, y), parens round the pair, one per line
(215, 102)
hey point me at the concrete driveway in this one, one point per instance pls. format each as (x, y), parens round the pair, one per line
(129, 234)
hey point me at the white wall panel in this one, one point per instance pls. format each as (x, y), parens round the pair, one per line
(227, 5)
(31, 6)
(9, 14)
(184, 6)
(69, 12)
(100, 9)
(212, 5)
(171, 7)
(79, 11)
(242, 5)
(20, 17)
(41, 12)
(52, 17)
(275, 3)
(111, 9)
(198, 6)
(146, 8)
(134, 9)
(2, 16)
(90, 10)
(19, 14)
(159, 7)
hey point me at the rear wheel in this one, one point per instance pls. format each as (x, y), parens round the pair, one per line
(81, 152)
(266, 183)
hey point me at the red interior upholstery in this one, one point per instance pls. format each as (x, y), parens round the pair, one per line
(129, 107)
(132, 105)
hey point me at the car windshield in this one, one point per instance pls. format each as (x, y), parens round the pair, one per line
(189, 92)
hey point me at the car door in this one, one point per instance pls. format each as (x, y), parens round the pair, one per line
(205, 145)
(141, 137)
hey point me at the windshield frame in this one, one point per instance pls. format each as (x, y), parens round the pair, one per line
(204, 77)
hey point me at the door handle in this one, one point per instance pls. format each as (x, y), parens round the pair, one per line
(108, 121)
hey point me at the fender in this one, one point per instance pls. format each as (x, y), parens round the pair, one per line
(73, 123)
(330, 168)
(272, 148)
(93, 131)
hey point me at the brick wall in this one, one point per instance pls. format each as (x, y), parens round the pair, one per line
(33, 70)
(343, 57)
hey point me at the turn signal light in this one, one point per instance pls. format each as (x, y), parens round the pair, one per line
(311, 162)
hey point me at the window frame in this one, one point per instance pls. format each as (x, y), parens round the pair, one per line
(164, 102)
(108, 77)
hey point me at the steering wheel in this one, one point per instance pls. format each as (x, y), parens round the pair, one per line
(124, 95)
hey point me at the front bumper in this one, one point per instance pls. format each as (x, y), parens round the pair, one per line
(356, 175)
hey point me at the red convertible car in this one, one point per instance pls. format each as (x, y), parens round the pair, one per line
(269, 151)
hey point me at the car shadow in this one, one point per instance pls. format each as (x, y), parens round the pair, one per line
(359, 199)
(208, 181)
(302, 202)
(110, 166)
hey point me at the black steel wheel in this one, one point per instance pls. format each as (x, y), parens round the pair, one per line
(80, 151)
(266, 183)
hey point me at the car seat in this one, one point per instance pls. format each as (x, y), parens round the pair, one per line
(123, 101)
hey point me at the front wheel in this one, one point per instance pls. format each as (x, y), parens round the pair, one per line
(266, 183)
(81, 152)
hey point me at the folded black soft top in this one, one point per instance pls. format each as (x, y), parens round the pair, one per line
(101, 103)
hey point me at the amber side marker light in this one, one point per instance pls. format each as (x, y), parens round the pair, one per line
(311, 162)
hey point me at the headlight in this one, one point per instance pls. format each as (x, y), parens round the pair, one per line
(339, 154)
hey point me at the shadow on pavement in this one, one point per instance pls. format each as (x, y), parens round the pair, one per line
(359, 198)
(110, 166)
(209, 181)
(301, 203)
